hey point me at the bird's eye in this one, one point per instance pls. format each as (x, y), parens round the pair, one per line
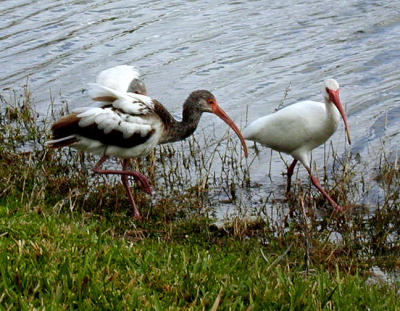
(327, 90)
(210, 102)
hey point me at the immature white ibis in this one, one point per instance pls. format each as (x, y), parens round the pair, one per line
(127, 124)
(299, 128)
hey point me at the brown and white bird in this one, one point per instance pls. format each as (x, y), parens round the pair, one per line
(127, 124)
(299, 128)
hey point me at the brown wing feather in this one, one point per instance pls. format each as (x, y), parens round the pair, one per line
(65, 126)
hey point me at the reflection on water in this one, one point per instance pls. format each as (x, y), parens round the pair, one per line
(246, 52)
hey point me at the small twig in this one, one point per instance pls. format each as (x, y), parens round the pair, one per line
(217, 301)
(329, 297)
(306, 236)
(279, 258)
(284, 96)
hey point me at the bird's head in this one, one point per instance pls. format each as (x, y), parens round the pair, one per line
(205, 101)
(331, 94)
(331, 88)
(137, 86)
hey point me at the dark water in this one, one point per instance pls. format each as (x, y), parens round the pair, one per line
(246, 52)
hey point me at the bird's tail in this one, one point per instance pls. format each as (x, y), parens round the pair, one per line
(63, 131)
(62, 142)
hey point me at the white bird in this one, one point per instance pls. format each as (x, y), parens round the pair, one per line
(299, 128)
(126, 123)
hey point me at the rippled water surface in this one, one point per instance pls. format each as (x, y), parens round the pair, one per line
(246, 52)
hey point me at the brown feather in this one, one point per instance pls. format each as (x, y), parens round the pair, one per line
(61, 128)
(105, 99)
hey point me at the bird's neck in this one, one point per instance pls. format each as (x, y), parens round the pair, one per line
(333, 113)
(179, 130)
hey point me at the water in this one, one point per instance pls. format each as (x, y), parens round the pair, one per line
(246, 52)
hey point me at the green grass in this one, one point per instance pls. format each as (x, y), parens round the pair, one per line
(67, 240)
(66, 261)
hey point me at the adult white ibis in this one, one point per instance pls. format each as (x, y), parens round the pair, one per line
(127, 124)
(299, 128)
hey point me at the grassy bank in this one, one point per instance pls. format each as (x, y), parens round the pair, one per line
(67, 240)
(77, 261)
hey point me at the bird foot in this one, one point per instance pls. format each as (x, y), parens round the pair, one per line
(137, 216)
(143, 183)
(338, 208)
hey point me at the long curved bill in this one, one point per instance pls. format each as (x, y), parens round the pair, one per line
(221, 113)
(334, 97)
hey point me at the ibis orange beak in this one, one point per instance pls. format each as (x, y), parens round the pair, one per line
(334, 97)
(221, 113)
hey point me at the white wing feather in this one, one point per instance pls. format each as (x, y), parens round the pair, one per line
(118, 78)
(131, 103)
(108, 120)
